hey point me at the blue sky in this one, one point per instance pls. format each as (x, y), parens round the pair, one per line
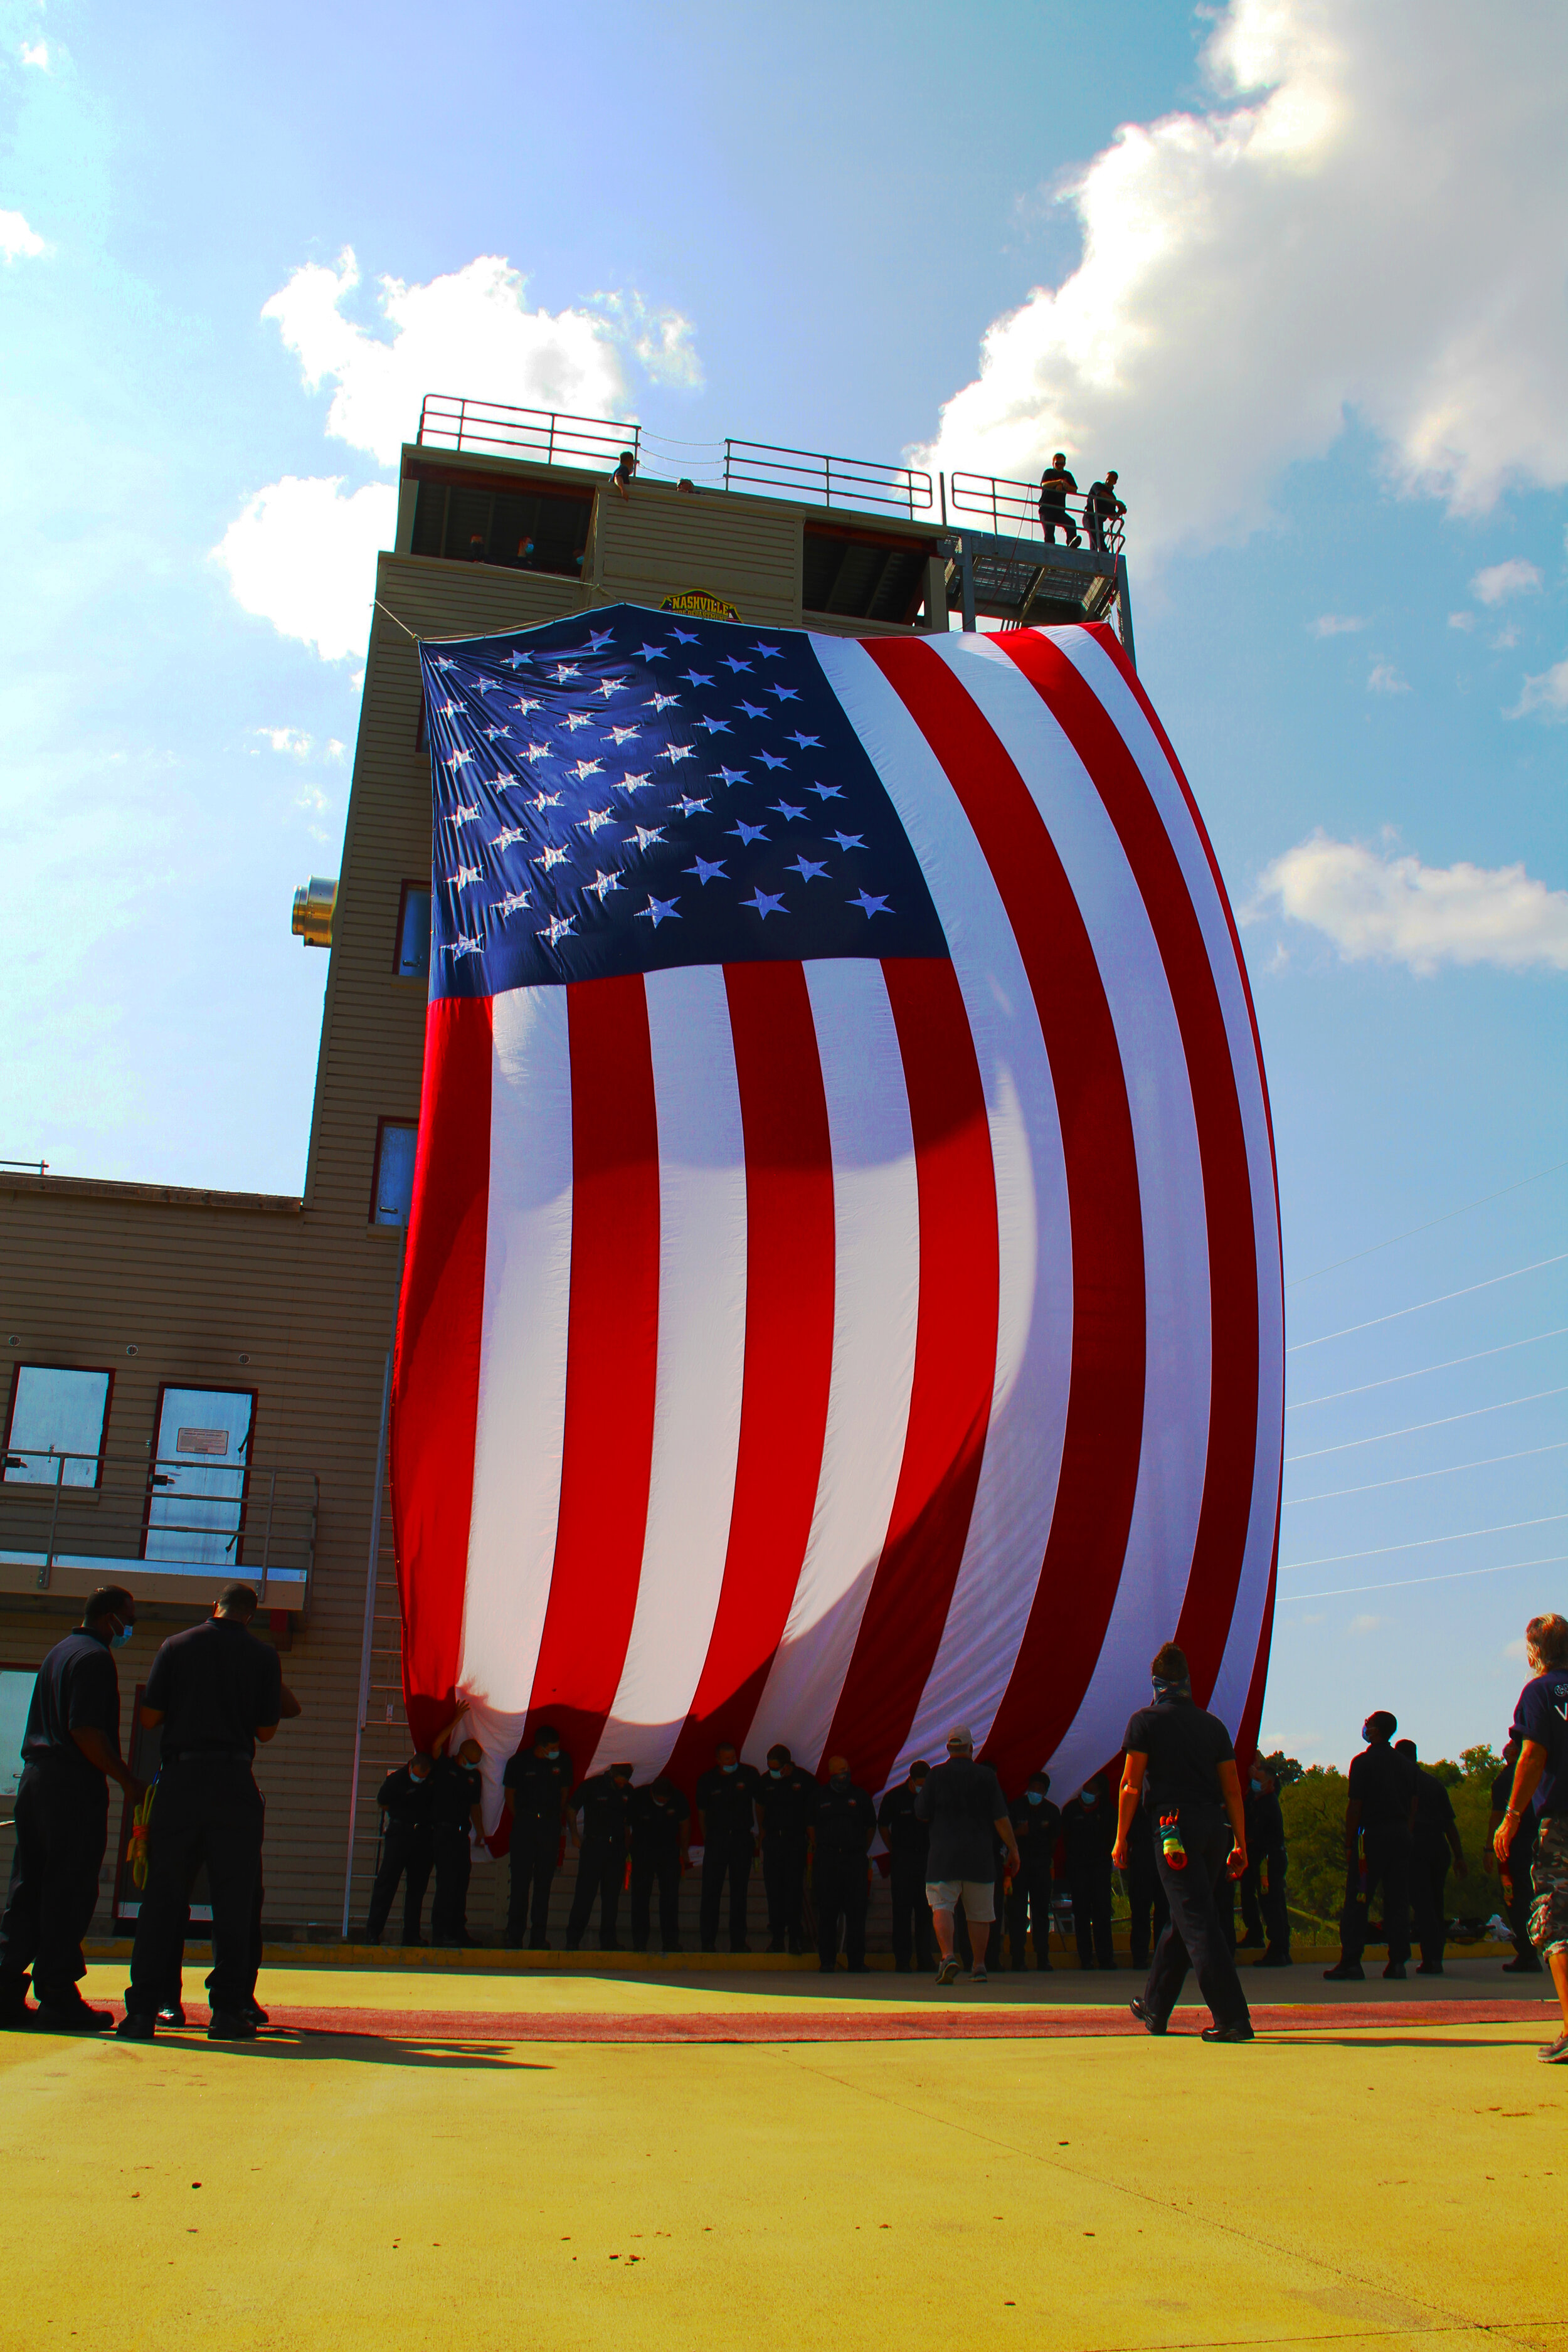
(1299, 273)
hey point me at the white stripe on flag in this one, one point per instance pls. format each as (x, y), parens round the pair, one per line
(1170, 1189)
(522, 1354)
(1018, 1476)
(702, 1360)
(877, 1247)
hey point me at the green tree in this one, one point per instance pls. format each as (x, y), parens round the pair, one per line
(1313, 1806)
(1480, 1763)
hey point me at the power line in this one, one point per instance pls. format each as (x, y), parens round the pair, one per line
(1420, 1543)
(1458, 1576)
(1413, 1477)
(1463, 1210)
(1447, 1365)
(1441, 1300)
(1414, 1428)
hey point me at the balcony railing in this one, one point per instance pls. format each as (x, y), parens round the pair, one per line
(69, 1521)
(824, 481)
(546, 435)
(1012, 510)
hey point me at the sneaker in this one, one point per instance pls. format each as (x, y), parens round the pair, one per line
(946, 1970)
(1555, 2053)
(1239, 2029)
(1430, 1969)
(1345, 1972)
(171, 2014)
(135, 2027)
(72, 2017)
(978, 1975)
(228, 2025)
(1395, 1968)
(254, 2011)
(1146, 2017)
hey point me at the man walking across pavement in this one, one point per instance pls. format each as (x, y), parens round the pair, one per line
(71, 1752)
(1434, 1839)
(726, 1798)
(786, 1798)
(1181, 1764)
(842, 1828)
(963, 1805)
(908, 1841)
(1381, 1815)
(215, 1690)
(536, 1784)
(1540, 1785)
(605, 1802)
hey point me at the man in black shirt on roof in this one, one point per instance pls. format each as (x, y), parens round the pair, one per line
(1381, 1814)
(216, 1691)
(1181, 1764)
(71, 1752)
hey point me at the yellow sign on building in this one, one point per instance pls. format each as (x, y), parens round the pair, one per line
(702, 603)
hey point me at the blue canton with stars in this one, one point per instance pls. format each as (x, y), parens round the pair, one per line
(628, 791)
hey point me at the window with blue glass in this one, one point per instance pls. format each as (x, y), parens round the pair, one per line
(412, 960)
(394, 1189)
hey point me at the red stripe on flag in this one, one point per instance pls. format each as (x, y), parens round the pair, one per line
(1219, 1548)
(612, 1357)
(789, 1348)
(954, 1372)
(436, 1378)
(1082, 1565)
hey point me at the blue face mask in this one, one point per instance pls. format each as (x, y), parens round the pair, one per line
(729, 1768)
(118, 1641)
(1255, 1783)
(1086, 1796)
(1036, 1796)
(775, 1771)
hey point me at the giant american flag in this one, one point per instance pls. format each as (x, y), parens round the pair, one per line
(843, 1295)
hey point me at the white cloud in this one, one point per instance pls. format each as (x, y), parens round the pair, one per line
(467, 333)
(1515, 1650)
(1336, 624)
(18, 241)
(287, 739)
(1422, 916)
(1367, 1624)
(303, 555)
(1363, 222)
(1506, 640)
(1461, 620)
(34, 53)
(1548, 693)
(1386, 680)
(660, 341)
(1500, 581)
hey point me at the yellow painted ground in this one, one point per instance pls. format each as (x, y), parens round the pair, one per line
(1352, 2187)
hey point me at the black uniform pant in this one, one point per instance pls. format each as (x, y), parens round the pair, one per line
(174, 1990)
(725, 1858)
(1428, 1883)
(660, 1863)
(208, 1810)
(408, 1852)
(1145, 1900)
(454, 1868)
(839, 1890)
(601, 1873)
(1263, 1912)
(784, 1876)
(1387, 1854)
(62, 1828)
(534, 1847)
(1053, 516)
(1193, 1935)
(1088, 1880)
(1030, 1903)
(912, 1940)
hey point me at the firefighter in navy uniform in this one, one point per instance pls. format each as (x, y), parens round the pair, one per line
(660, 1831)
(908, 1841)
(842, 1829)
(536, 1785)
(456, 1790)
(786, 1798)
(726, 1795)
(407, 1849)
(1036, 1825)
(1089, 1833)
(71, 1752)
(215, 1690)
(1264, 1916)
(605, 1802)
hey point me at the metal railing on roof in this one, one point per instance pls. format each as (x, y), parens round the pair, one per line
(548, 435)
(1012, 510)
(107, 1516)
(813, 476)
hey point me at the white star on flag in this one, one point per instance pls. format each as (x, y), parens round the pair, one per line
(558, 928)
(603, 882)
(869, 905)
(551, 856)
(658, 910)
(764, 905)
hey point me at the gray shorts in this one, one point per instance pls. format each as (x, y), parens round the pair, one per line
(979, 1897)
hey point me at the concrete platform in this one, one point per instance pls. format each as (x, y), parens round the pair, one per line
(559, 2159)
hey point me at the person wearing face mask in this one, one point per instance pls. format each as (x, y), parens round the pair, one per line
(407, 1849)
(1181, 1764)
(726, 1796)
(1262, 1889)
(908, 1841)
(1379, 1821)
(785, 1799)
(660, 1827)
(535, 1787)
(604, 1803)
(456, 1790)
(842, 1828)
(1088, 1830)
(1037, 1824)
(71, 1752)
